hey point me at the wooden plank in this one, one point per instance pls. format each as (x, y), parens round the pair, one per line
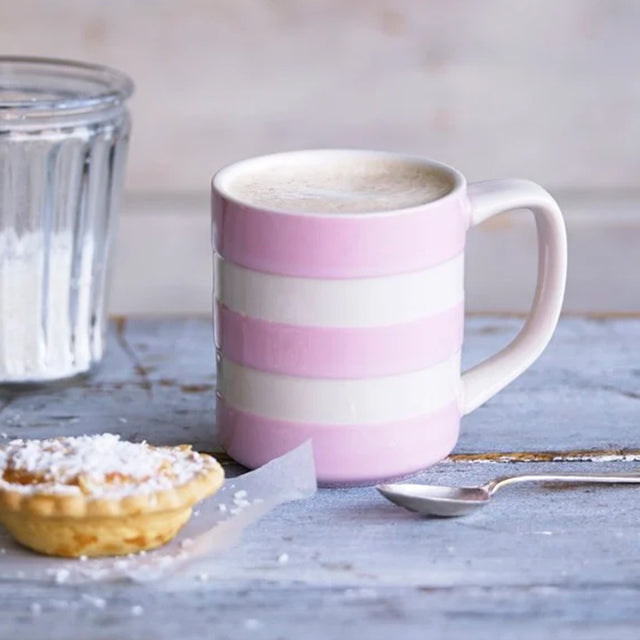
(158, 387)
(534, 561)
(584, 392)
(531, 613)
(158, 378)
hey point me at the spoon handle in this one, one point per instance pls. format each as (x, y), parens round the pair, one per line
(569, 478)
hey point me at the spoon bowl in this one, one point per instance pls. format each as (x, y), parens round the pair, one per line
(434, 500)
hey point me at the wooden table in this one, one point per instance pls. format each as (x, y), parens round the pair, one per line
(536, 563)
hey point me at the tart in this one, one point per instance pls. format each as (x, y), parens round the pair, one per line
(100, 495)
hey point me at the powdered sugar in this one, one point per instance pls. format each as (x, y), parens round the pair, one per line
(101, 466)
(49, 325)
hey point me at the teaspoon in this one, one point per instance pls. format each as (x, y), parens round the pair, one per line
(434, 500)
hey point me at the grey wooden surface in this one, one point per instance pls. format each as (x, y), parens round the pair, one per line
(536, 563)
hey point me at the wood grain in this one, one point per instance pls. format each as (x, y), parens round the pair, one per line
(537, 562)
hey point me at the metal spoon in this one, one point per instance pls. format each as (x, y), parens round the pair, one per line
(433, 500)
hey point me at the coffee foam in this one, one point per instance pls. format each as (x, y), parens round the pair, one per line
(338, 184)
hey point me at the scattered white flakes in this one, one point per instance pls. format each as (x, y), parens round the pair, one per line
(13, 418)
(2, 551)
(83, 558)
(258, 501)
(360, 594)
(222, 507)
(251, 624)
(196, 513)
(3, 435)
(35, 608)
(240, 498)
(96, 601)
(137, 610)
(202, 577)
(142, 553)
(235, 511)
(165, 561)
(123, 420)
(60, 576)
(283, 558)
(450, 549)
(186, 543)
(543, 533)
(59, 462)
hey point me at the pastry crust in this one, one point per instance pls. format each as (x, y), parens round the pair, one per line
(97, 523)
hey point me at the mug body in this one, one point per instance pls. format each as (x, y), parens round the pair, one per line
(342, 328)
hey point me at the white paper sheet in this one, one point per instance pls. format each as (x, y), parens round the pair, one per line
(216, 525)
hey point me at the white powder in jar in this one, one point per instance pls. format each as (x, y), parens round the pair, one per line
(48, 326)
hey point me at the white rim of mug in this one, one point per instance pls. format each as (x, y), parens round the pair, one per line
(223, 175)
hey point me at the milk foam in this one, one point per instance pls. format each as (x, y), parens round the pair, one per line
(338, 184)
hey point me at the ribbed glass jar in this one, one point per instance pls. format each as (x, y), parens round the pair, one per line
(64, 130)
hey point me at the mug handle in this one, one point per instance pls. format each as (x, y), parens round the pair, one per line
(487, 199)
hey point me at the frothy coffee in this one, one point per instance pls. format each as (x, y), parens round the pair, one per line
(340, 182)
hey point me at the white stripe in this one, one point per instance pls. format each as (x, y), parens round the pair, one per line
(371, 400)
(355, 302)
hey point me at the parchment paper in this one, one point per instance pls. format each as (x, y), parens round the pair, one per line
(216, 525)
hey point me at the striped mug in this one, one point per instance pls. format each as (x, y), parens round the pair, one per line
(339, 307)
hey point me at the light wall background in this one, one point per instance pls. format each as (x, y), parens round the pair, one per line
(536, 88)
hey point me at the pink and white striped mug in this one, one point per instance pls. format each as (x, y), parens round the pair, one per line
(343, 323)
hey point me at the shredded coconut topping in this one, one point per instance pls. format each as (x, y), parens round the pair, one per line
(100, 466)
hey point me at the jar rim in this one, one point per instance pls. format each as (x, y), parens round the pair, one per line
(33, 85)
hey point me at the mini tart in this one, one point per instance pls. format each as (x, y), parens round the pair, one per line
(99, 495)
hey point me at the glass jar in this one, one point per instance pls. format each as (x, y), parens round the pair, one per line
(64, 131)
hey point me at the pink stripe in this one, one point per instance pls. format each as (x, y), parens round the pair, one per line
(330, 352)
(343, 454)
(340, 247)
